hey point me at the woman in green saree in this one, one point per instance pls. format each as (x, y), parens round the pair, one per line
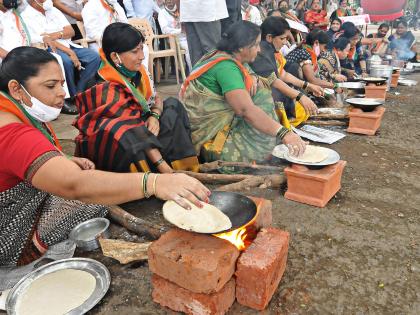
(231, 110)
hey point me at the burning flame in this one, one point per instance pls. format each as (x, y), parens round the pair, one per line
(236, 237)
(243, 236)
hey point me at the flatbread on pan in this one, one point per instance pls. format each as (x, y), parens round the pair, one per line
(208, 219)
(313, 154)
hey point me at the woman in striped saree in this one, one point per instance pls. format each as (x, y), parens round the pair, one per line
(123, 123)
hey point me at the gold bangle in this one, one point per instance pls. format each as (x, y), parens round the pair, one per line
(154, 184)
(142, 183)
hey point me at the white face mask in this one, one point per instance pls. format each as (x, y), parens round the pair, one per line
(39, 110)
(47, 5)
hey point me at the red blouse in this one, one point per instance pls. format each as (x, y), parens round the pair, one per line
(20, 145)
(313, 17)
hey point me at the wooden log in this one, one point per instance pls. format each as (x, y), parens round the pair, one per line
(268, 181)
(329, 116)
(326, 123)
(124, 252)
(217, 178)
(215, 165)
(135, 224)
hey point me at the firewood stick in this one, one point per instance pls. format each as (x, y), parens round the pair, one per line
(135, 224)
(268, 181)
(215, 165)
(326, 123)
(217, 178)
(330, 116)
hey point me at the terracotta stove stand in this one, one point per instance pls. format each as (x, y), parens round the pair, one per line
(201, 274)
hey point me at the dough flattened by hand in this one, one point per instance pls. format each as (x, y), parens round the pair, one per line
(56, 293)
(313, 154)
(208, 219)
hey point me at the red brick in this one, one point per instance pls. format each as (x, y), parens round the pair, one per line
(197, 262)
(179, 299)
(260, 268)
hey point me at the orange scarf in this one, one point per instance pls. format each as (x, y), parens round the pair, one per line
(314, 58)
(280, 60)
(142, 93)
(352, 53)
(9, 105)
(110, 9)
(207, 62)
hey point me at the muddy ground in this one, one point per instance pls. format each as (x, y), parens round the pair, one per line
(358, 255)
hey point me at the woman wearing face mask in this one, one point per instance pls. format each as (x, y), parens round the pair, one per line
(332, 32)
(343, 10)
(316, 17)
(329, 61)
(123, 123)
(292, 106)
(43, 193)
(303, 61)
(355, 63)
(226, 122)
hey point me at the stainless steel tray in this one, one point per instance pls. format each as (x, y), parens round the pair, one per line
(95, 268)
(352, 85)
(406, 82)
(282, 152)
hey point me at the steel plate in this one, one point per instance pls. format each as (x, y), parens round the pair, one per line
(282, 152)
(406, 82)
(95, 268)
(351, 85)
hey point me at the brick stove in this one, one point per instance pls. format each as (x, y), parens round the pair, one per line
(204, 274)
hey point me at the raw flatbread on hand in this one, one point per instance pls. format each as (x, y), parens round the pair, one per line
(313, 154)
(208, 219)
(56, 293)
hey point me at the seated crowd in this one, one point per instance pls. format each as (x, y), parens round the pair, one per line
(241, 98)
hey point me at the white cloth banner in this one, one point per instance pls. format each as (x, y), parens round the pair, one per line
(297, 26)
(358, 20)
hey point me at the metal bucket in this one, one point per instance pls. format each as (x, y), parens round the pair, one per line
(382, 71)
(373, 60)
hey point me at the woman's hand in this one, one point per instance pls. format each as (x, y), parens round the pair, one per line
(315, 90)
(75, 60)
(254, 86)
(178, 187)
(152, 123)
(308, 105)
(294, 143)
(350, 73)
(340, 78)
(84, 164)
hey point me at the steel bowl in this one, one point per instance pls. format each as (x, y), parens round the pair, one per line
(86, 235)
